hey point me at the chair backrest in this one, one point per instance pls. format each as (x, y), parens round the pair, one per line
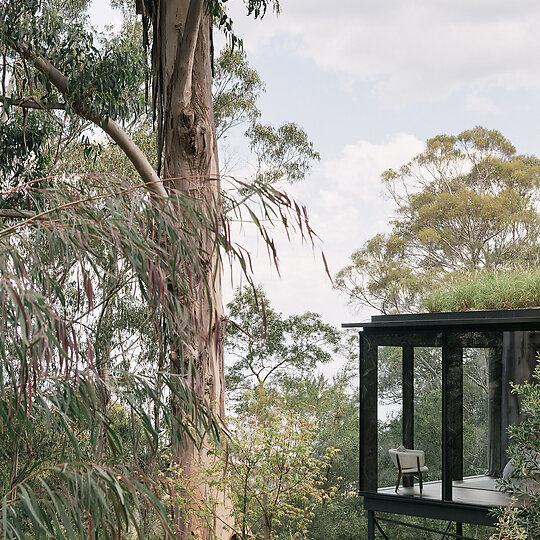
(407, 457)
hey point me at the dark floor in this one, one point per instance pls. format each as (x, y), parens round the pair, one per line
(478, 490)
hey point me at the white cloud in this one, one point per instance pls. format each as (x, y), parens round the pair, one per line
(358, 168)
(410, 50)
(481, 104)
(102, 15)
(344, 199)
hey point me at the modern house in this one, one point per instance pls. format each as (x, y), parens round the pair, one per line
(452, 498)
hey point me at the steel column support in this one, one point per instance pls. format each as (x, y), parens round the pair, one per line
(371, 525)
(368, 414)
(495, 436)
(407, 372)
(452, 414)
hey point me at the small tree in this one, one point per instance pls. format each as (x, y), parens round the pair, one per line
(275, 360)
(275, 476)
(269, 348)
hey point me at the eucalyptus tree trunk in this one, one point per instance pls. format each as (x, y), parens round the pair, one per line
(183, 62)
(519, 360)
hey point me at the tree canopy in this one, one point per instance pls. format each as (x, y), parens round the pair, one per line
(269, 348)
(467, 203)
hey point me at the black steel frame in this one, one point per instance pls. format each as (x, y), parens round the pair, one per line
(373, 522)
(452, 332)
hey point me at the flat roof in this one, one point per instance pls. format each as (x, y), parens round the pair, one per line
(475, 319)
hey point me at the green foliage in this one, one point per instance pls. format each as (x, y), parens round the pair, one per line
(269, 348)
(65, 471)
(236, 89)
(380, 275)
(342, 518)
(280, 354)
(91, 287)
(105, 75)
(523, 520)
(333, 405)
(24, 136)
(486, 290)
(284, 153)
(89, 250)
(467, 203)
(276, 480)
(81, 470)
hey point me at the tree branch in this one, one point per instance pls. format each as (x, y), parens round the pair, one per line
(186, 54)
(31, 103)
(117, 134)
(13, 213)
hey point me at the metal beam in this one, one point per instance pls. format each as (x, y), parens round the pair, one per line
(416, 506)
(428, 337)
(398, 338)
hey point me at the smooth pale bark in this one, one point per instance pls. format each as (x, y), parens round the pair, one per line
(14, 213)
(31, 103)
(191, 162)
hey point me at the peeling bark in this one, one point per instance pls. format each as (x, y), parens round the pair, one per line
(191, 164)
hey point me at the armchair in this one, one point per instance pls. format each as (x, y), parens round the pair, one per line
(409, 463)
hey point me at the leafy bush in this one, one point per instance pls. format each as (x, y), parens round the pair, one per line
(523, 521)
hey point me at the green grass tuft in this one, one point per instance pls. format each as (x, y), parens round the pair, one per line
(493, 290)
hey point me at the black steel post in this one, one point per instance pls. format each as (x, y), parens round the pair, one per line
(368, 414)
(408, 403)
(371, 525)
(452, 414)
(495, 436)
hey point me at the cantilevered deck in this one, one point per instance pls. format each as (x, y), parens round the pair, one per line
(477, 490)
(473, 499)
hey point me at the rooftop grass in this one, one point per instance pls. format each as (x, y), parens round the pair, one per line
(493, 290)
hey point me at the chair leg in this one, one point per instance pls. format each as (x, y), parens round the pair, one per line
(420, 481)
(398, 480)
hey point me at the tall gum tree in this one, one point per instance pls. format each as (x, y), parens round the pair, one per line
(182, 55)
(182, 71)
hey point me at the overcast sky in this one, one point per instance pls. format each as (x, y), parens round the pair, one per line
(369, 82)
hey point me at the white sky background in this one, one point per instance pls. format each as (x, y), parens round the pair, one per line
(369, 82)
